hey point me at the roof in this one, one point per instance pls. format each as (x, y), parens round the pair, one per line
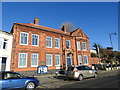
(31, 25)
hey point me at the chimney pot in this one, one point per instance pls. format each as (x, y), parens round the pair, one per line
(64, 28)
(36, 21)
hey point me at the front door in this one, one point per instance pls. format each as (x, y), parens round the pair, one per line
(3, 64)
(69, 61)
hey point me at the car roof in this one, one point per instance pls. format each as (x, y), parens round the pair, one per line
(7, 72)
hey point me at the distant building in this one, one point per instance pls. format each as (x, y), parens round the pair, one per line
(35, 45)
(93, 51)
(5, 50)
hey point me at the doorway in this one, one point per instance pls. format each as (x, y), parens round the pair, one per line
(3, 63)
(69, 60)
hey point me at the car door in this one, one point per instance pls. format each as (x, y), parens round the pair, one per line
(14, 80)
(90, 71)
(85, 71)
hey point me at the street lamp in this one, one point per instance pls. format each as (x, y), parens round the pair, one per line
(110, 34)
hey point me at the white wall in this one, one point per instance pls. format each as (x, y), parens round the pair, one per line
(6, 52)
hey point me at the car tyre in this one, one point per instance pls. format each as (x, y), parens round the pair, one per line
(95, 75)
(80, 78)
(30, 86)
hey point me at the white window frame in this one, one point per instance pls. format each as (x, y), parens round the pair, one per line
(37, 60)
(19, 60)
(55, 60)
(37, 39)
(69, 43)
(87, 60)
(51, 42)
(51, 59)
(85, 46)
(78, 46)
(58, 43)
(27, 38)
(79, 56)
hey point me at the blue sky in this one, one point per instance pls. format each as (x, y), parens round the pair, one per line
(96, 19)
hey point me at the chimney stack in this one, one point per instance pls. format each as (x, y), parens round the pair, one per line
(36, 21)
(64, 28)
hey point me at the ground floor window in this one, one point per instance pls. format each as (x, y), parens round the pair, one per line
(57, 60)
(79, 59)
(49, 59)
(34, 60)
(85, 60)
(22, 60)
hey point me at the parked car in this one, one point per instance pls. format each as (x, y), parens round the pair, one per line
(14, 80)
(81, 71)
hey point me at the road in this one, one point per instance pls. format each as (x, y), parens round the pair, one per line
(106, 80)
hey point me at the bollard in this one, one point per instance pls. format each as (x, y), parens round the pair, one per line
(56, 75)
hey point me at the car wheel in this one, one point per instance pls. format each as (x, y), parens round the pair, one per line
(80, 77)
(30, 86)
(95, 75)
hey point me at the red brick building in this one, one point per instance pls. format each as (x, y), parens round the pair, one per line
(35, 45)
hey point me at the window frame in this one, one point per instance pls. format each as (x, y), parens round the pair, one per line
(58, 43)
(85, 46)
(79, 60)
(19, 60)
(69, 44)
(59, 60)
(51, 60)
(78, 46)
(37, 40)
(27, 38)
(37, 60)
(87, 60)
(46, 42)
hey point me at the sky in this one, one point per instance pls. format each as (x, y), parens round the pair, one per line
(96, 19)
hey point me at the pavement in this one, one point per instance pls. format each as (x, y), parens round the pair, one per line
(50, 80)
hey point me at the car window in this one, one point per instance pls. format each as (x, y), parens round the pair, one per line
(12, 76)
(80, 68)
(70, 68)
(88, 68)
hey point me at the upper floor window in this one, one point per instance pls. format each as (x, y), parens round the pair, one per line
(67, 43)
(78, 45)
(22, 60)
(24, 38)
(57, 43)
(35, 40)
(85, 60)
(57, 60)
(34, 60)
(83, 45)
(49, 42)
(5, 44)
(49, 59)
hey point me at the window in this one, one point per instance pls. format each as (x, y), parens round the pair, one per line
(67, 43)
(79, 59)
(78, 45)
(49, 42)
(22, 60)
(57, 43)
(85, 60)
(24, 38)
(35, 40)
(83, 46)
(49, 59)
(57, 60)
(34, 60)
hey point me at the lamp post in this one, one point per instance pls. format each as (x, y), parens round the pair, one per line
(110, 34)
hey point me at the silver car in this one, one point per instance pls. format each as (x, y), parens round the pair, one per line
(80, 72)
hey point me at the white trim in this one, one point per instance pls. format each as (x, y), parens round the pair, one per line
(87, 60)
(19, 60)
(27, 38)
(37, 60)
(55, 59)
(37, 40)
(46, 42)
(58, 43)
(51, 60)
